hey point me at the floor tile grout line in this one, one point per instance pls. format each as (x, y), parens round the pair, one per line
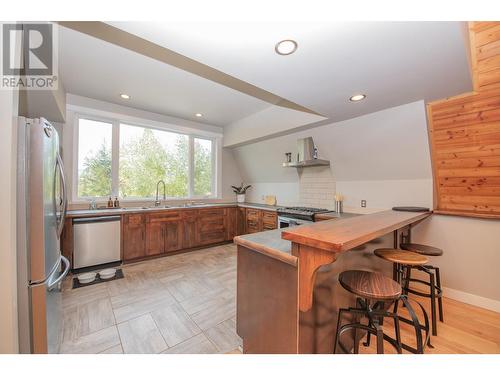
(117, 330)
(159, 330)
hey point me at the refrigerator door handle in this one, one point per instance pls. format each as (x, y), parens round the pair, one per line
(52, 284)
(62, 218)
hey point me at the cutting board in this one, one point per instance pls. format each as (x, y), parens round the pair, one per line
(270, 200)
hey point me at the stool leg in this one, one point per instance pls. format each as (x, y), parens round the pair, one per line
(397, 331)
(368, 335)
(339, 320)
(394, 271)
(380, 338)
(440, 301)
(433, 304)
(408, 277)
(415, 323)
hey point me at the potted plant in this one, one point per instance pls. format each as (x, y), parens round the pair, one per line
(240, 192)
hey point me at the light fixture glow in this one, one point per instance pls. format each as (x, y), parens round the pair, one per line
(124, 96)
(286, 47)
(357, 97)
(199, 115)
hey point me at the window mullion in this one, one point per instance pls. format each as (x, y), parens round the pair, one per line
(191, 167)
(115, 158)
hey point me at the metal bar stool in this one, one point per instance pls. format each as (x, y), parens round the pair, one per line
(403, 261)
(434, 283)
(374, 291)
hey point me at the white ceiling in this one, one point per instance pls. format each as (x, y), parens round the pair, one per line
(392, 62)
(96, 69)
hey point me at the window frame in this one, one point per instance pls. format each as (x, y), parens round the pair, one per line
(115, 158)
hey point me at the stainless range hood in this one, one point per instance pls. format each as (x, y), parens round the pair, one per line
(306, 155)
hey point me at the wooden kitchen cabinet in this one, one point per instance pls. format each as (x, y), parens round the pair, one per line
(134, 236)
(173, 235)
(163, 232)
(232, 223)
(241, 221)
(253, 220)
(159, 232)
(269, 220)
(189, 229)
(211, 226)
(155, 239)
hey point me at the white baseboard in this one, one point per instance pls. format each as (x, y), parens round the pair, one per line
(472, 299)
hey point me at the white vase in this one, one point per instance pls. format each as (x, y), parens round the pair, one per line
(240, 198)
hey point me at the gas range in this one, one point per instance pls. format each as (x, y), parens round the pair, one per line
(299, 215)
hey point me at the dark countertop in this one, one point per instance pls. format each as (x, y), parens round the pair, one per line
(130, 210)
(271, 242)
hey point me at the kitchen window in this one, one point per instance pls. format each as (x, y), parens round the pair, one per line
(94, 158)
(128, 160)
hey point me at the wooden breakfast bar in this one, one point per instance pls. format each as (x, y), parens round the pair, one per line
(287, 288)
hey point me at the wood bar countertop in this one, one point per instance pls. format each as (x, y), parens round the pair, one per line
(341, 235)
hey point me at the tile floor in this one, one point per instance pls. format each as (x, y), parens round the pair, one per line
(184, 303)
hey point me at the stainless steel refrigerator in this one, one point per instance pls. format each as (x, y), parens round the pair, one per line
(41, 210)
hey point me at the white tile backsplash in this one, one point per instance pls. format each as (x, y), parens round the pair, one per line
(317, 187)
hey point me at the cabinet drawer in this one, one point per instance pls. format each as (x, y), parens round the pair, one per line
(164, 216)
(210, 212)
(252, 227)
(253, 214)
(269, 220)
(189, 214)
(134, 219)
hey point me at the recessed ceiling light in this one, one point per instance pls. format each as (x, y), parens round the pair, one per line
(286, 47)
(357, 97)
(124, 96)
(199, 115)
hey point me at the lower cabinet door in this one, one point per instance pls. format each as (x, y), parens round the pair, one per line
(134, 242)
(173, 235)
(189, 234)
(241, 221)
(155, 238)
(210, 237)
(231, 223)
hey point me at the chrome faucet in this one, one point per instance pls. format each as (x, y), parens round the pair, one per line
(157, 201)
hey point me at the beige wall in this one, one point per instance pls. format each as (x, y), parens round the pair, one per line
(470, 264)
(8, 274)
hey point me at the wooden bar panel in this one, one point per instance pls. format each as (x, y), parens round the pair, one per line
(485, 54)
(464, 134)
(267, 313)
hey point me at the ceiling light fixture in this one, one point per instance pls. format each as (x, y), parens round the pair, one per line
(199, 115)
(286, 47)
(357, 97)
(124, 96)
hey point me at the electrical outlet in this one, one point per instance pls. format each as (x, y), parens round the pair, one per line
(363, 203)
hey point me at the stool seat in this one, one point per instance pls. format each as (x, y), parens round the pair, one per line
(371, 285)
(422, 249)
(402, 257)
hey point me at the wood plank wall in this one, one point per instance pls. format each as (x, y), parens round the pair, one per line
(464, 134)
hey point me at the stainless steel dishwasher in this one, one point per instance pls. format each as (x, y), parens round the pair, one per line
(96, 241)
